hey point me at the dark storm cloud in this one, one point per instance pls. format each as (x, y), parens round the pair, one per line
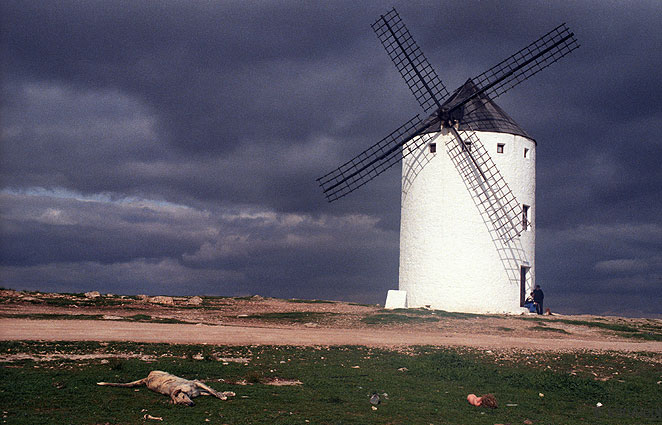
(220, 108)
(214, 79)
(227, 250)
(217, 74)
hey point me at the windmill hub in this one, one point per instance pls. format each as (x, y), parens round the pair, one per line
(450, 117)
(467, 238)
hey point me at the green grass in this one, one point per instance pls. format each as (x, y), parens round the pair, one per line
(439, 313)
(51, 316)
(432, 388)
(58, 316)
(648, 331)
(396, 318)
(296, 300)
(548, 329)
(363, 304)
(148, 318)
(414, 315)
(70, 299)
(646, 336)
(293, 316)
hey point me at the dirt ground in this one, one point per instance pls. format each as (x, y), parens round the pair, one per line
(266, 321)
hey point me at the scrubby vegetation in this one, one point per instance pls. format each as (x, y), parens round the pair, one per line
(421, 385)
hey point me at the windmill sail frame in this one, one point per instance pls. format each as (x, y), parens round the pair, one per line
(430, 91)
(459, 217)
(410, 61)
(371, 162)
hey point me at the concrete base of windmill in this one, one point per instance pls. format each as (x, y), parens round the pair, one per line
(395, 299)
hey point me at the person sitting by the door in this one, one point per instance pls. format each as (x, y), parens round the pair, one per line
(538, 297)
(530, 304)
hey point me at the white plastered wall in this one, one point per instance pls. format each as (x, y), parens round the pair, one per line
(448, 258)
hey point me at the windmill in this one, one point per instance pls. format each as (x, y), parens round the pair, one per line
(467, 239)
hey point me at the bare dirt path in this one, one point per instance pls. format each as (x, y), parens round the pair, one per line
(85, 330)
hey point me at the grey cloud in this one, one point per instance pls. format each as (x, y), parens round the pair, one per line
(235, 106)
(158, 247)
(622, 265)
(138, 276)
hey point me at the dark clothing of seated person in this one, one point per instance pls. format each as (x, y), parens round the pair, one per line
(538, 297)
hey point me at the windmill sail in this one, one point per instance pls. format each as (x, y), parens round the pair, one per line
(524, 64)
(494, 199)
(447, 248)
(410, 61)
(470, 108)
(475, 111)
(372, 162)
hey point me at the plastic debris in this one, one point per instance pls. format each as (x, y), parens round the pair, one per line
(487, 400)
(374, 399)
(474, 400)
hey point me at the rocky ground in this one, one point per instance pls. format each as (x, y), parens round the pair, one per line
(246, 320)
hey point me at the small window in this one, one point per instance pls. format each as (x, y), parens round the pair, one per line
(526, 152)
(500, 147)
(466, 146)
(525, 217)
(433, 147)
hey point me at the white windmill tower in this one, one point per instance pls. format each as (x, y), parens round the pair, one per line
(467, 242)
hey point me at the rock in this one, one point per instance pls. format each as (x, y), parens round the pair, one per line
(257, 298)
(528, 422)
(162, 300)
(194, 300)
(374, 399)
(92, 294)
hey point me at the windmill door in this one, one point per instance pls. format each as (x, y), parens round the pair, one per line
(524, 270)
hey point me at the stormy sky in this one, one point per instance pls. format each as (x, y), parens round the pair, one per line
(172, 147)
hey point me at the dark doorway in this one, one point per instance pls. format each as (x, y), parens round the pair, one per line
(522, 284)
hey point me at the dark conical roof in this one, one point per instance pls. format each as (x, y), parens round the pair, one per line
(478, 114)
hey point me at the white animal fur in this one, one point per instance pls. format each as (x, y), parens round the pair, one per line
(180, 390)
